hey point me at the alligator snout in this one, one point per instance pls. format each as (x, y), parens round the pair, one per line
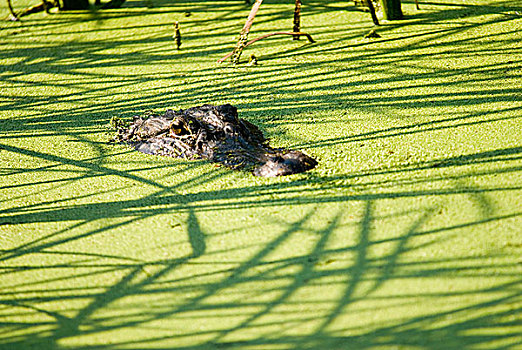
(291, 162)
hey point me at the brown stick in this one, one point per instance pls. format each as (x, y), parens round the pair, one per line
(243, 36)
(297, 18)
(308, 36)
(177, 35)
(13, 16)
(33, 9)
(369, 3)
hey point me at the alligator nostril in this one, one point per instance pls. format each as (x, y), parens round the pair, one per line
(228, 129)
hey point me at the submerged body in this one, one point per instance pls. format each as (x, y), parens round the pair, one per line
(214, 133)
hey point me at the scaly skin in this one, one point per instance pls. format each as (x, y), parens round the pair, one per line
(214, 133)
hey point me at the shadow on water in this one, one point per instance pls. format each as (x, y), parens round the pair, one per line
(302, 300)
(358, 281)
(319, 321)
(240, 85)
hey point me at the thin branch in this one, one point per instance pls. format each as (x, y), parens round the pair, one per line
(243, 36)
(297, 18)
(308, 36)
(13, 16)
(369, 3)
(33, 9)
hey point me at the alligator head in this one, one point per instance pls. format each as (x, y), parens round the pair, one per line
(214, 133)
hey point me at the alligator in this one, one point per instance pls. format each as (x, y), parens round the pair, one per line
(213, 133)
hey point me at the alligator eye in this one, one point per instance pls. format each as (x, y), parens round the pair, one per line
(177, 129)
(176, 126)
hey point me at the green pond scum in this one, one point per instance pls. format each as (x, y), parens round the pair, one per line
(406, 235)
